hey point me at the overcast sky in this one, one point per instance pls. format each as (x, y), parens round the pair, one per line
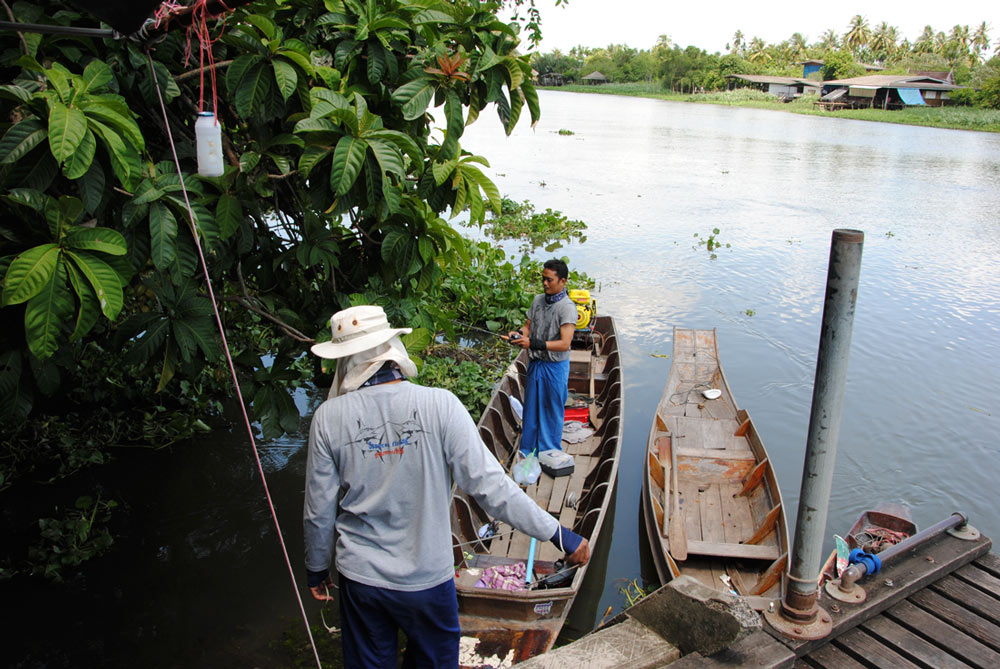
(710, 24)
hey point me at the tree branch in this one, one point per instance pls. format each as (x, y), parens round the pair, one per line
(190, 73)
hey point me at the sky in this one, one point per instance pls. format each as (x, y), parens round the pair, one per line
(710, 25)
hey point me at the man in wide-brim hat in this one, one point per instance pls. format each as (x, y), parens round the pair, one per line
(382, 456)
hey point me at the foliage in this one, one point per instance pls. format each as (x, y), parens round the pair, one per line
(840, 65)
(336, 183)
(520, 221)
(472, 381)
(566, 132)
(633, 591)
(67, 541)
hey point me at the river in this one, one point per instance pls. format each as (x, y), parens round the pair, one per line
(198, 579)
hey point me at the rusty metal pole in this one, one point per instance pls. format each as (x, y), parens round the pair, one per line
(799, 615)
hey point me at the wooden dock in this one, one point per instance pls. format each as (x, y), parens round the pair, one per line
(936, 606)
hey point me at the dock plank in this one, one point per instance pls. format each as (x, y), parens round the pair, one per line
(971, 597)
(875, 653)
(911, 645)
(985, 631)
(944, 634)
(990, 563)
(832, 657)
(984, 580)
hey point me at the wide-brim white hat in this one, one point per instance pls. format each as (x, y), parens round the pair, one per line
(357, 329)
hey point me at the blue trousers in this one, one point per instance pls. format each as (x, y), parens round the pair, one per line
(544, 405)
(371, 617)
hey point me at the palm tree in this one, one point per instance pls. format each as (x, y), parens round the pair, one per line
(883, 42)
(960, 40)
(758, 51)
(797, 45)
(925, 43)
(858, 34)
(738, 43)
(829, 40)
(981, 40)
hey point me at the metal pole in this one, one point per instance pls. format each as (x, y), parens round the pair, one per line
(824, 423)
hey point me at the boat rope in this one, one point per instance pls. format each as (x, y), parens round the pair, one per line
(229, 359)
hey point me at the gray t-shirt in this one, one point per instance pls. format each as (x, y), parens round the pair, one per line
(546, 320)
(380, 469)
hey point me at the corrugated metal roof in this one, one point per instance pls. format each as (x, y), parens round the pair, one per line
(895, 81)
(766, 79)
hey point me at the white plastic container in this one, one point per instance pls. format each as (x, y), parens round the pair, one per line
(209, 135)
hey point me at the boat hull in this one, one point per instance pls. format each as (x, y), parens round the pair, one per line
(501, 627)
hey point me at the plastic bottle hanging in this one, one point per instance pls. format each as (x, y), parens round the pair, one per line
(208, 133)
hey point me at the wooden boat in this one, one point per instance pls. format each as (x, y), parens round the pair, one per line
(709, 484)
(874, 531)
(500, 627)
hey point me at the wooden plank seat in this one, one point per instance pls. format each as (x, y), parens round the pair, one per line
(735, 551)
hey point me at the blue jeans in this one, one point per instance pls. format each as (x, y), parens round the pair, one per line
(371, 617)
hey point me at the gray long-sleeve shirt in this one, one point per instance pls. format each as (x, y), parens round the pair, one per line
(389, 454)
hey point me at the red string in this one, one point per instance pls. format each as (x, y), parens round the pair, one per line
(232, 366)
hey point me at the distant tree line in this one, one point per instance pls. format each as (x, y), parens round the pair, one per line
(962, 51)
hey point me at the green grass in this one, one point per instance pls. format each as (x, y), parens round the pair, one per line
(958, 118)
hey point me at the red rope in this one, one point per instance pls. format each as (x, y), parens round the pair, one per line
(232, 366)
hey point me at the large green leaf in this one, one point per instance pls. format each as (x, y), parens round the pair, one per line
(194, 332)
(348, 158)
(228, 215)
(47, 313)
(104, 281)
(79, 162)
(254, 89)
(311, 157)
(110, 115)
(96, 75)
(162, 235)
(30, 272)
(152, 329)
(285, 76)
(100, 239)
(388, 156)
(89, 311)
(20, 139)
(414, 97)
(91, 187)
(67, 127)
(376, 62)
(456, 123)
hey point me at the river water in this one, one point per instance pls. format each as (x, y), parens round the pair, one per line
(198, 578)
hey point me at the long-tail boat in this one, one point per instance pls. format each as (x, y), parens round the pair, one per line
(502, 627)
(710, 499)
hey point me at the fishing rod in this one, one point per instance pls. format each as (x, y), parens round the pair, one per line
(515, 337)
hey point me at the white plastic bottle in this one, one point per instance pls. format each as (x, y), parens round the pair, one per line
(209, 135)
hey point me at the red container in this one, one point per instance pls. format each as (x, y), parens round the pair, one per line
(581, 414)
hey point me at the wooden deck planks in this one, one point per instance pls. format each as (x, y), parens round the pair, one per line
(875, 654)
(832, 657)
(910, 645)
(981, 579)
(985, 630)
(942, 633)
(735, 514)
(972, 598)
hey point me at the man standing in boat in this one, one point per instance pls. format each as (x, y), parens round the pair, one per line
(547, 334)
(382, 457)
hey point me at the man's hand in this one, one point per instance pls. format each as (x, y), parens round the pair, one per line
(516, 338)
(582, 553)
(321, 592)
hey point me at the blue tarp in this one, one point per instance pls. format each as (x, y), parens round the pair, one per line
(911, 96)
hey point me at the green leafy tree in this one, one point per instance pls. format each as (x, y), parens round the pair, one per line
(342, 124)
(840, 65)
(858, 36)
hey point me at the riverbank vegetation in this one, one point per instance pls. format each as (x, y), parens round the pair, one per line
(953, 116)
(968, 55)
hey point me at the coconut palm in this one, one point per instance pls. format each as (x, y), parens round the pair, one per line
(739, 44)
(758, 51)
(829, 40)
(925, 43)
(981, 40)
(883, 42)
(858, 35)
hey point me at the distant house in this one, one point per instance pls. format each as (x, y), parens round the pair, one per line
(888, 91)
(810, 66)
(783, 87)
(551, 79)
(595, 78)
